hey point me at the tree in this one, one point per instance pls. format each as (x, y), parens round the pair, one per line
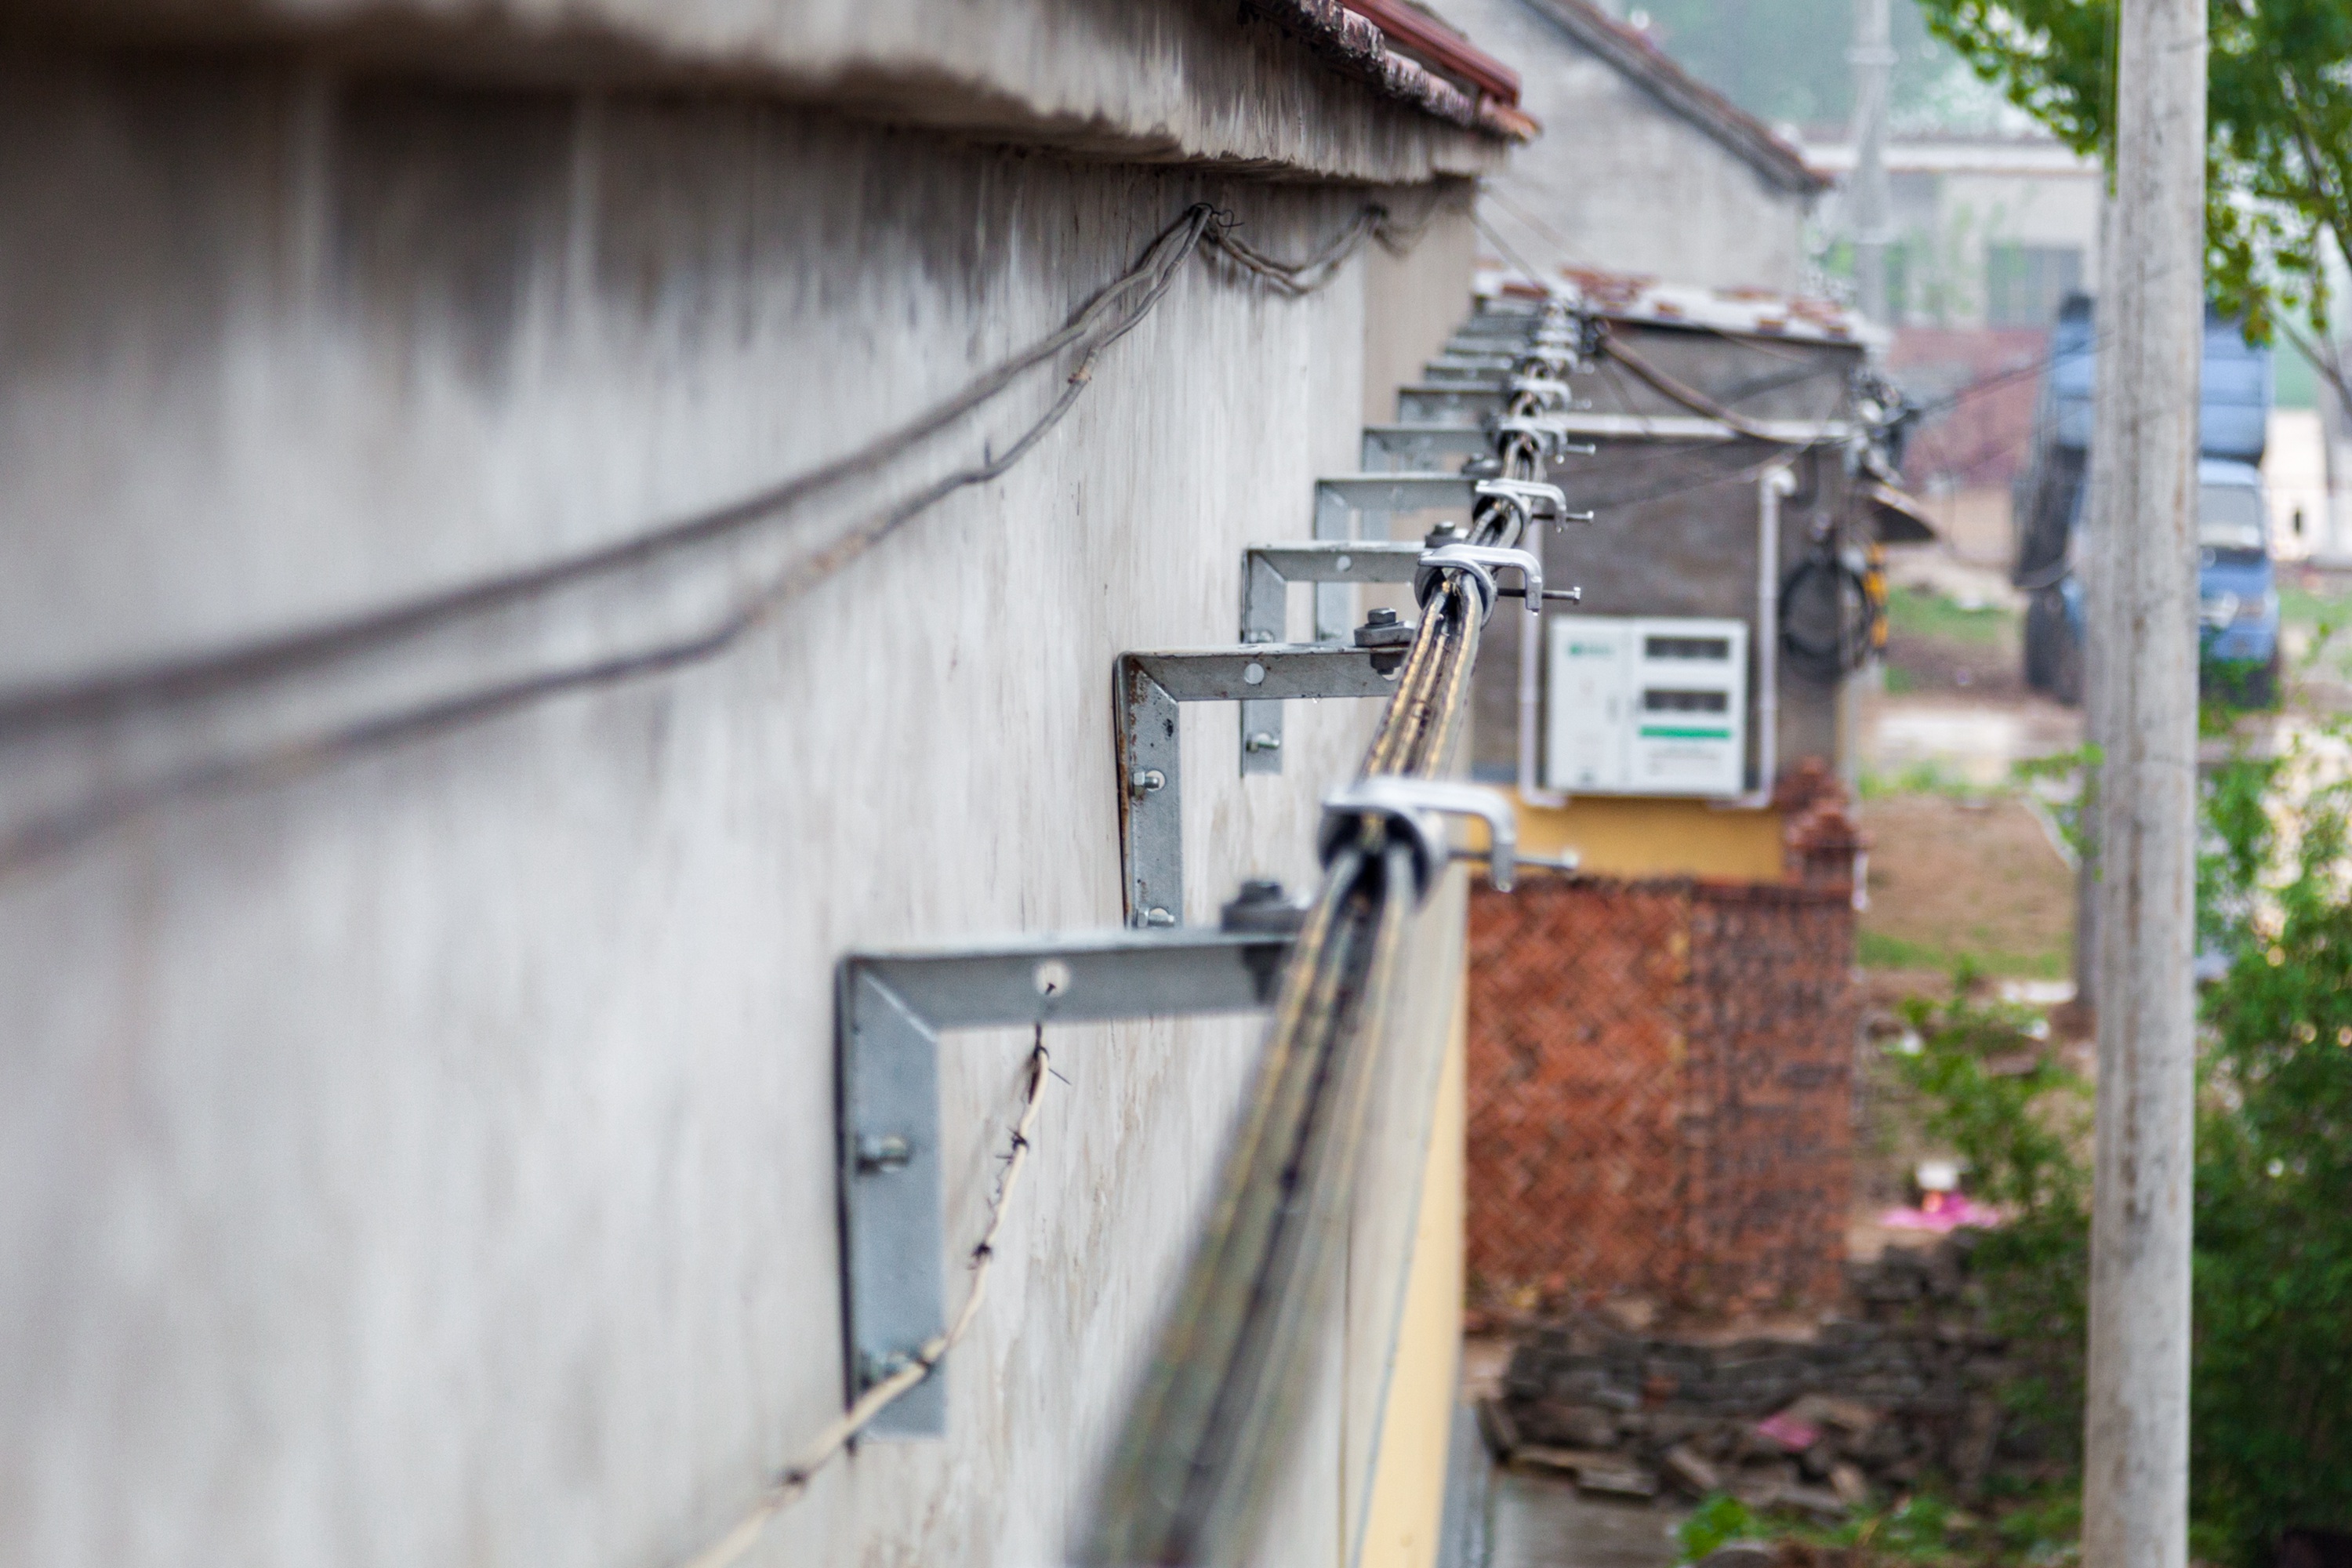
(2279, 134)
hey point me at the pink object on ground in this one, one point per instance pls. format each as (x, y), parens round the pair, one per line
(1788, 1432)
(1954, 1211)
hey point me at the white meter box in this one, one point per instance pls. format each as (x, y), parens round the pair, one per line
(1643, 706)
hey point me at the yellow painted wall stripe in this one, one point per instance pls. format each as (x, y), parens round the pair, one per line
(1408, 1499)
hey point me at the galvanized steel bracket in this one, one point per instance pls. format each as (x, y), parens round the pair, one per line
(891, 1009)
(1147, 690)
(1345, 506)
(1268, 571)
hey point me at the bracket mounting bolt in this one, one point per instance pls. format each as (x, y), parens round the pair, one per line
(1143, 781)
(887, 1152)
(1387, 638)
(1260, 905)
(1263, 741)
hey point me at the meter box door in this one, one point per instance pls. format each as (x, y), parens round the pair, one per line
(1585, 729)
(1647, 706)
(1689, 697)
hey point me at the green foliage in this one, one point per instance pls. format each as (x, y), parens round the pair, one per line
(2076, 773)
(2279, 115)
(2272, 1392)
(2019, 1122)
(2270, 1430)
(1917, 1529)
(1915, 613)
(2238, 843)
(1877, 950)
(1719, 1518)
(1920, 1528)
(1919, 778)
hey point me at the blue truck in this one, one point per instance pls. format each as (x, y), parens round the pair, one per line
(2238, 610)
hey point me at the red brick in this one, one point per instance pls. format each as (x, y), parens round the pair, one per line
(1660, 1091)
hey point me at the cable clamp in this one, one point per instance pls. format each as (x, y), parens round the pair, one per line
(1530, 499)
(1479, 562)
(1417, 808)
(1542, 387)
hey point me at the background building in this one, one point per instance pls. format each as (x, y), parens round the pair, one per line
(1656, 172)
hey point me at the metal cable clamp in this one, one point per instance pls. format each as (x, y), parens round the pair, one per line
(1550, 431)
(1479, 562)
(1544, 387)
(1417, 807)
(1530, 500)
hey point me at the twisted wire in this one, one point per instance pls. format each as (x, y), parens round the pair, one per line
(793, 1480)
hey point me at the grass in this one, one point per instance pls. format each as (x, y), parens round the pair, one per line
(1924, 778)
(2039, 1528)
(1915, 613)
(2301, 607)
(1876, 949)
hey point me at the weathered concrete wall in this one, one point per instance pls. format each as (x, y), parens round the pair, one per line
(1163, 81)
(1407, 318)
(1618, 180)
(429, 1158)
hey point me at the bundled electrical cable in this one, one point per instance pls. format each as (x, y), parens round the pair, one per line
(1231, 1378)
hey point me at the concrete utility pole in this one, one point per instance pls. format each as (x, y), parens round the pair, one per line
(1869, 211)
(2135, 1476)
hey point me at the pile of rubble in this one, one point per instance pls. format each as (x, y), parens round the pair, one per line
(1867, 1407)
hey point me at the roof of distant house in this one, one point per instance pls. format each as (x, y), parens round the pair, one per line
(1656, 302)
(1651, 68)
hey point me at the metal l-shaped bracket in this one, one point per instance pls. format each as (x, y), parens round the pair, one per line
(891, 1009)
(1268, 571)
(1147, 689)
(1358, 506)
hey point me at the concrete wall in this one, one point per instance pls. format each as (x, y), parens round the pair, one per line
(1171, 80)
(1619, 181)
(429, 1156)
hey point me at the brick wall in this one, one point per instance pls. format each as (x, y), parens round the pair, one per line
(1660, 1092)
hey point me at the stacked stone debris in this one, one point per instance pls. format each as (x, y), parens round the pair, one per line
(1900, 1388)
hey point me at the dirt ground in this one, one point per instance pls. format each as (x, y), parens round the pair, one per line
(1952, 879)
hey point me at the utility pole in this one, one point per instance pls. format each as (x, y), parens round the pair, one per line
(1868, 208)
(2136, 1474)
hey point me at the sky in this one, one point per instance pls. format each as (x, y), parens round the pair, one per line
(1784, 61)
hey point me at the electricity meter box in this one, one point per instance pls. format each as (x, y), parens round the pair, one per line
(1645, 706)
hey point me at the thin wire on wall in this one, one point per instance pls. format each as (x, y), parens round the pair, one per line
(1113, 312)
(793, 1480)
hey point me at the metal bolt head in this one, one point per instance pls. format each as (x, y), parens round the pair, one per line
(1260, 905)
(887, 1152)
(1388, 638)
